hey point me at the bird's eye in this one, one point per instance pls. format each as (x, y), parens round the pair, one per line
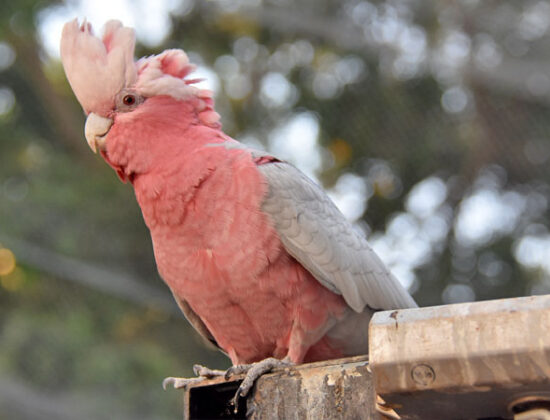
(129, 100)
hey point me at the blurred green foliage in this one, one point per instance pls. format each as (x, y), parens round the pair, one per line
(432, 120)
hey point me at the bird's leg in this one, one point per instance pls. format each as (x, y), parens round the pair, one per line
(253, 372)
(202, 373)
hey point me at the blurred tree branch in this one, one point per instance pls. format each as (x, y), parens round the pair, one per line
(88, 274)
(63, 125)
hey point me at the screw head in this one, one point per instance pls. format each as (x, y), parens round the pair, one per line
(423, 374)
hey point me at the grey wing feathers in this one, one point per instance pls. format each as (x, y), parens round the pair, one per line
(196, 322)
(317, 234)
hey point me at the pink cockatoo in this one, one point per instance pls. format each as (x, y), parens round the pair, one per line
(259, 259)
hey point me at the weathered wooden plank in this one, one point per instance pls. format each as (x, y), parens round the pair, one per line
(482, 360)
(464, 361)
(331, 390)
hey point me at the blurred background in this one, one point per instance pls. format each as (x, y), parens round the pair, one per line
(427, 122)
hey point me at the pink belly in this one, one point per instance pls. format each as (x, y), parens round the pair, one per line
(280, 311)
(218, 251)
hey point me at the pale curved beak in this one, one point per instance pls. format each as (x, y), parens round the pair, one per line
(95, 130)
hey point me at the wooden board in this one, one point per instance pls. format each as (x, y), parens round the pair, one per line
(463, 361)
(336, 389)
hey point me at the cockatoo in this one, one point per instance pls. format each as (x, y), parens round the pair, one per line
(259, 259)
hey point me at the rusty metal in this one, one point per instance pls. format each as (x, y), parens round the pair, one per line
(464, 361)
(335, 389)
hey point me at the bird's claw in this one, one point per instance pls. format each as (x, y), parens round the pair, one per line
(202, 373)
(253, 372)
(237, 370)
(235, 400)
(179, 383)
(206, 372)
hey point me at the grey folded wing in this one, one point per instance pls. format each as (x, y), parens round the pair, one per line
(317, 234)
(197, 323)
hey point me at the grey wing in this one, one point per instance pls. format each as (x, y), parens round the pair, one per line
(317, 234)
(196, 322)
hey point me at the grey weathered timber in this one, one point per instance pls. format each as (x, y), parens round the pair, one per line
(465, 361)
(331, 390)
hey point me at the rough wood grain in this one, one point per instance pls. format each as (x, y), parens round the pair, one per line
(464, 361)
(332, 390)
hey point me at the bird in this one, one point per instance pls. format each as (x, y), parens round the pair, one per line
(259, 259)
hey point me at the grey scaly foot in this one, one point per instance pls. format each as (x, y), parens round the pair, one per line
(253, 372)
(206, 372)
(201, 371)
(179, 383)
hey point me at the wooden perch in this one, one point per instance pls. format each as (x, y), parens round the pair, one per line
(481, 360)
(465, 361)
(323, 390)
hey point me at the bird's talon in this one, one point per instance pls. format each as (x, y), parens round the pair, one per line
(229, 373)
(197, 369)
(241, 393)
(206, 372)
(166, 382)
(235, 403)
(174, 382)
(237, 370)
(179, 383)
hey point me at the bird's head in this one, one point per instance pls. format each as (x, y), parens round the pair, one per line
(116, 90)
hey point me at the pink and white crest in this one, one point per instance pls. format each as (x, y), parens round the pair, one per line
(163, 75)
(98, 69)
